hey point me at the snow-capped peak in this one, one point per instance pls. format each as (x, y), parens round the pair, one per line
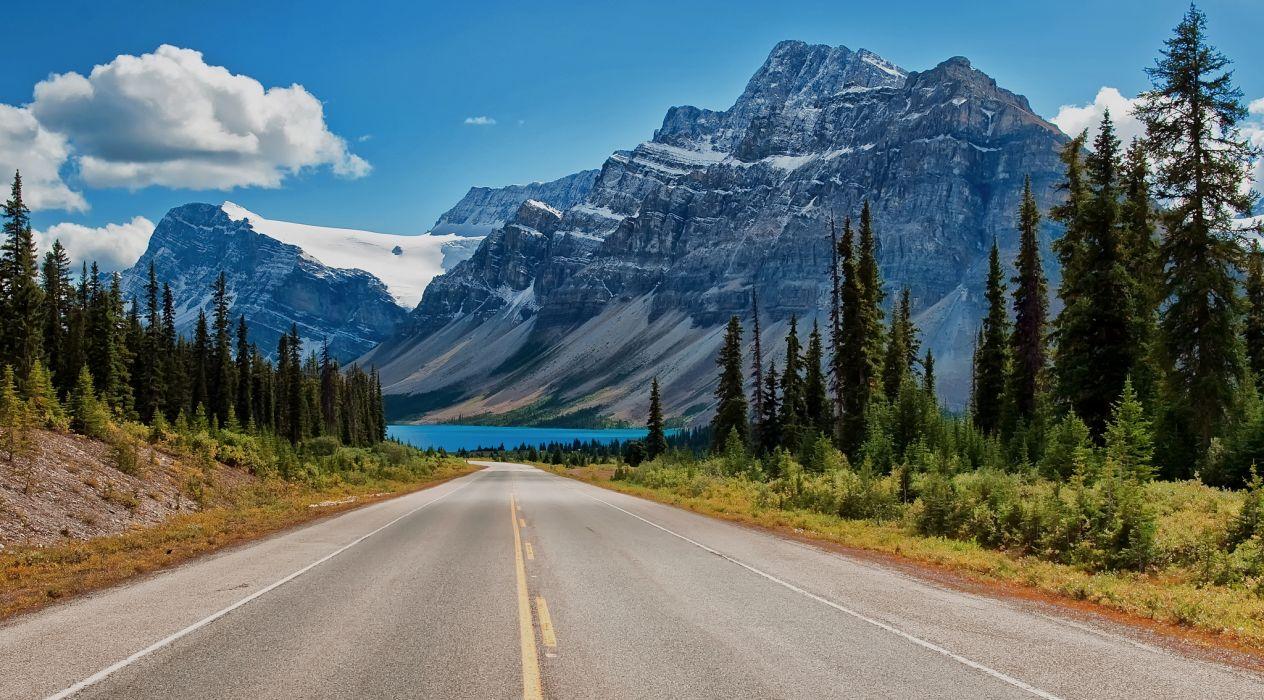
(405, 264)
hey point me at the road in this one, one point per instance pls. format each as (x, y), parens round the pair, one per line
(515, 583)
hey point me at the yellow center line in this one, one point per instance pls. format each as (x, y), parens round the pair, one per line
(531, 689)
(530, 552)
(546, 622)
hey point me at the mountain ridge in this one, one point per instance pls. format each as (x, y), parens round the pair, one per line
(720, 203)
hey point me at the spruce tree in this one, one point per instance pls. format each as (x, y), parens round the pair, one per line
(58, 303)
(861, 355)
(655, 438)
(1139, 250)
(992, 353)
(1253, 331)
(201, 363)
(770, 429)
(819, 414)
(1129, 440)
(1031, 309)
(220, 377)
(297, 422)
(245, 402)
(928, 375)
(757, 374)
(836, 322)
(902, 348)
(21, 299)
(730, 393)
(793, 414)
(1191, 116)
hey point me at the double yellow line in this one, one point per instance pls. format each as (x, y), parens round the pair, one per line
(531, 687)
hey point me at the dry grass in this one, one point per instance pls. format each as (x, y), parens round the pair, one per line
(1169, 597)
(32, 577)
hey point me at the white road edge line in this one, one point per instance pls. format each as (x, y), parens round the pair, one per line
(166, 641)
(844, 609)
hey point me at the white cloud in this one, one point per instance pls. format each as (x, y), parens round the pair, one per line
(1073, 119)
(480, 121)
(113, 246)
(39, 153)
(168, 118)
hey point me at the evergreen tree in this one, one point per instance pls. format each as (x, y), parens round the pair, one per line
(902, 348)
(330, 386)
(1139, 250)
(655, 439)
(836, 322)
(992, 353)
(1031, 309)
(294, 405)
(1129, 440)
(21, 299)
(87, 415)
(200, 363)
(147, 372)
(1254, 327)
(757, 374)
(861, 353)
(221, 384)
(792, 418)
(730, 413)
(770, 429)
(1191, 116)
(928, 375)
(820, 414)
(58, 302)
(245, 402)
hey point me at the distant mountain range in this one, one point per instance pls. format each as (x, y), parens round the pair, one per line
(565, 313)
(349, 287)
(558, 301)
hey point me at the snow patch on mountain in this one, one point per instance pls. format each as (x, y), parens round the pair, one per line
(405, 264)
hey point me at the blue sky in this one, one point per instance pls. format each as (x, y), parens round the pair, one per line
(566, 83)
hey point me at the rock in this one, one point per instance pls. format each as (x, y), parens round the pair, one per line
(677, 232)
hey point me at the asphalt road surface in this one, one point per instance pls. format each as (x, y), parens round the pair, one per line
(513, 583)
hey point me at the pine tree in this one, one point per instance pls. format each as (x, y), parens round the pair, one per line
(294, 405)
(928, 375)
(245, 402)
(730, 412)
(992, 354)
(58, 301)
(41, 399)
(1254, 327)
(902, 348)
(330, 381)
(87, 415)
(838, 252)
(861, 354)
(792, 418)
(757, 374)
(21, 299)
(1139, 250)
(1129, 440)
(1031, 309)
(655, 438)
(201, 363)
(770, 430)
(221, 384)
(14, 419)
(819, 416)
(1191, 116)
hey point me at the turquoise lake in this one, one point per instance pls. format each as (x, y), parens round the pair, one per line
(469, 437)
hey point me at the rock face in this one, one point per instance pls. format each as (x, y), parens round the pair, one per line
(566, 310)
(484, 209)
(273, 283)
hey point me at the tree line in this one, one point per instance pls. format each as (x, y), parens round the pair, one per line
(1153, 361)
(80, 343)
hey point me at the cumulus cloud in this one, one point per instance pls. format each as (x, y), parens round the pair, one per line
(480, 121)
(40, 154)
(168, 118)
(113, 246)
(1073, 119)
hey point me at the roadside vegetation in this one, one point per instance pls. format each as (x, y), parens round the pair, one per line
(1108, 453)
(208, 441)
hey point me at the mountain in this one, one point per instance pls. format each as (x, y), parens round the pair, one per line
(564, 315)
(350, 287)
(484, 209)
